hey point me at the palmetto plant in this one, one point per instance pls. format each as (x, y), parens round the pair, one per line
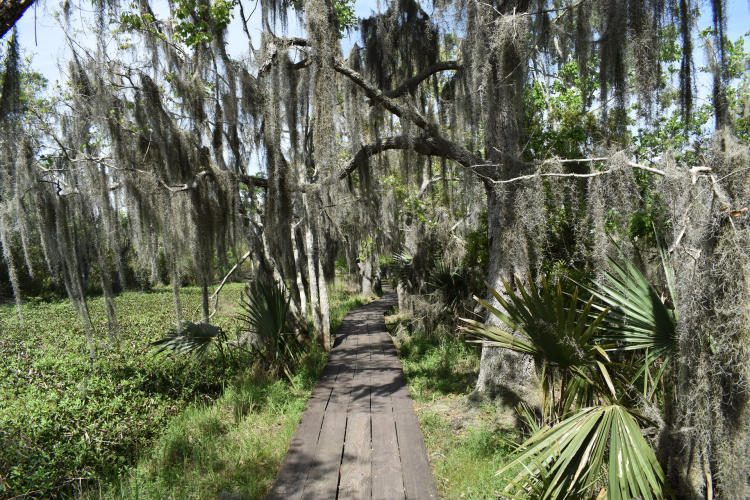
(568, 459)
(403, 270)
(450, 283)
(639, 319)
(192, 339)
(587, 430)
(546, 323)
(265, 313)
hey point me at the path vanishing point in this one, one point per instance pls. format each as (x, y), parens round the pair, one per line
(359, 436)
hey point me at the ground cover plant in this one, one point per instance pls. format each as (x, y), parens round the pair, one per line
(467, 440)
(235, 444)
(69, 425)
(66, 421)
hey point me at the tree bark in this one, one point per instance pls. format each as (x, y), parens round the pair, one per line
(325, 311)
(11, 12)
(312, 273)
(503, 371)
(298, 267)
(365, 272)
(204, 303)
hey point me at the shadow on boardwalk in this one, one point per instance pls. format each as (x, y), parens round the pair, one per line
(359, 436)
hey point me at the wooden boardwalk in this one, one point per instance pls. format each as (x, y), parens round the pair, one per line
(359, 436)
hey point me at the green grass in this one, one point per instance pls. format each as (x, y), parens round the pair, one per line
(69, 426)
(235, 445)
(466, 442)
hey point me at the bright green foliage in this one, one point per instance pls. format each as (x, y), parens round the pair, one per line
(64, 417)
(738, 92)
(192, 338)
(465, 458)
(345, 16)
(199, 19)
(559, 121)
(265, 313)
(638, 317)
(566, 460)
(561, 338)
(234, 444)
(437, 367)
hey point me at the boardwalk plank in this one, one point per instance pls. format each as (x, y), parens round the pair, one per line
(418, 480)
(323, 476)
(387, 482)
(356, 472)
(291, 480)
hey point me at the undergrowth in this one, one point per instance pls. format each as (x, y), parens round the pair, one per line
(70, 427)
(233, 447)
(467, 442)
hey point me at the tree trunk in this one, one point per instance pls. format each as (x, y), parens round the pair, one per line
(365, 271)
(401, 293)
(312, 273)
(706, 445)
(204, 302)
(176, 293)
(325, 312)
(502, 372)
(298, 266)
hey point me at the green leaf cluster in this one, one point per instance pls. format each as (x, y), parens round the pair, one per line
(590, 439)
(199, 19)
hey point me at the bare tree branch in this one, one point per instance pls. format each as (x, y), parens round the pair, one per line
(693, 171)
(404, 111)
(215, 295)
(410, 84)
(10, 12)
(430, 146)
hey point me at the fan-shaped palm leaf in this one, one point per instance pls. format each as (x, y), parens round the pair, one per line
(192, 338)
(570, 456)
(451, 284)
(265, 311)
(402, 266)
(547, 324)
(638, 318)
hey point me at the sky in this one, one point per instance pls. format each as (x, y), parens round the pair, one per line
(42, 37)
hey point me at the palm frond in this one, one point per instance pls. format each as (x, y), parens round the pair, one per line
(265, 312)
(638, 319)
(546, 323)
(571, 456)
(450, 283)
(402, 264)
(192, 338)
